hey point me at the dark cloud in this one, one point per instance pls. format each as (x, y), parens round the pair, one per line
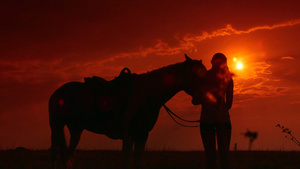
(95, 29)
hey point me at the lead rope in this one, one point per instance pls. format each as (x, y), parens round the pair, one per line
(171, 114)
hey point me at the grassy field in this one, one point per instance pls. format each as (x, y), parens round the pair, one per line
(26, 159)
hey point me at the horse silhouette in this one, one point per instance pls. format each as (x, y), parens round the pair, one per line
(125, 108)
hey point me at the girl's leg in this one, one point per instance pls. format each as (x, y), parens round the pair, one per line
(223, 138)
(207, 131)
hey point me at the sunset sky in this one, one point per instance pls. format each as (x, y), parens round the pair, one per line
(44, 44)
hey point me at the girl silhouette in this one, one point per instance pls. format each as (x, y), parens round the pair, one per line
(215, 125)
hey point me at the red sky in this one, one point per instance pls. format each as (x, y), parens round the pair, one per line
(45, 44)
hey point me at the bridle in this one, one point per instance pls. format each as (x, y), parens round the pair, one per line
(171, 114)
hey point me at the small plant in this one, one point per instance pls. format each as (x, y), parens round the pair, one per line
(252, 136)
(288, 134)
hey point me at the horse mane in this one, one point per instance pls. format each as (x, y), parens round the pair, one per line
(168, 68)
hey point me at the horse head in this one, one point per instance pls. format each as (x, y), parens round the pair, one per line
(193, 79)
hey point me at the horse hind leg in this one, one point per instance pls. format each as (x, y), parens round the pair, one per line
(75, 134)
(58, 146)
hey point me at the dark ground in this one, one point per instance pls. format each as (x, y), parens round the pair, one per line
(27, 159)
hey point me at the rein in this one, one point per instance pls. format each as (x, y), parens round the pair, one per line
(171, 114)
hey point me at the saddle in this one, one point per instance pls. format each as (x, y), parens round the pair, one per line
(96, 82)
(111, 95)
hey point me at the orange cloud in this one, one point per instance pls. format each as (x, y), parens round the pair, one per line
(287, 58)
(229, 30)
(256, 82)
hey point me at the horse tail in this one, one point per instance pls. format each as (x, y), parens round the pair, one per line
(57, 123)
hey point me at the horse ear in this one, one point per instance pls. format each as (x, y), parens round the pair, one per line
(187, 57)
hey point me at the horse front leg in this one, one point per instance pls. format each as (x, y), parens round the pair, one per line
(127, 146)
(127, 143)
(139, 148)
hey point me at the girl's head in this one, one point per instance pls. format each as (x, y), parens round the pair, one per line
(218, 60)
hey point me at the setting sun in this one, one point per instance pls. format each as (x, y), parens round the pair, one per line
(239, 66)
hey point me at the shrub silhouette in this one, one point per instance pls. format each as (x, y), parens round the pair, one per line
(252, 136)
(289, 134)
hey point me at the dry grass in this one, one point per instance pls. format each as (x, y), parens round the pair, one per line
(25, 159)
